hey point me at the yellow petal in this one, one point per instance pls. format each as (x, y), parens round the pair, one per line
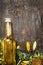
(18, 47)
(34, 45)
(28, 46)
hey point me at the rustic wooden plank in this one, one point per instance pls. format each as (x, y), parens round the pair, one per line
(26, 20)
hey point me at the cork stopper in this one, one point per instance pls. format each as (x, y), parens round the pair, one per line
(7, 19)
(8, 26)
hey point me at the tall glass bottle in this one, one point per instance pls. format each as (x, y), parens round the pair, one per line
(8, 45)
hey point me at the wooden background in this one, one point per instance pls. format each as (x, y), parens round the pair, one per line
(27, 21)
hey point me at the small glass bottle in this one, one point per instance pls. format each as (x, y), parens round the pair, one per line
(8, 45)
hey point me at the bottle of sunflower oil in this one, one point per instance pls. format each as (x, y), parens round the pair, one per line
(8, 45)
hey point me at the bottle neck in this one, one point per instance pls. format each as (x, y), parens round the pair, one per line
(8, 29)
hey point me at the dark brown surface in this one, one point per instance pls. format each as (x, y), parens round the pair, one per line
(27, 20)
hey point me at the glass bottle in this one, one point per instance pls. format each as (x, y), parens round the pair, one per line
(8, 45)
(0, 51)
